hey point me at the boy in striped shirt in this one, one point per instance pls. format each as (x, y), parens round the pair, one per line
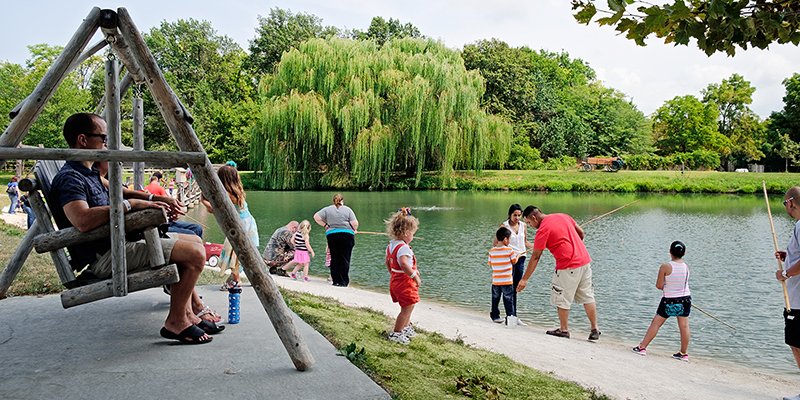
(502, 259)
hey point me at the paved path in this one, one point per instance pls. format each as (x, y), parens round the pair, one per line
(606, 365)
(111, 349)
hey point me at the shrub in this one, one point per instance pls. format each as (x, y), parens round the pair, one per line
(524, 157)
(561, 163)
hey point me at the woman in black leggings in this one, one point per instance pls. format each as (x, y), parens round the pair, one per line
(340, 225)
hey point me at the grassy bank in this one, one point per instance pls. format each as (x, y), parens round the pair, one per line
(596, 181)
(432, 366)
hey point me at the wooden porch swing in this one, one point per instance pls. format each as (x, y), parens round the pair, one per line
(129, 47)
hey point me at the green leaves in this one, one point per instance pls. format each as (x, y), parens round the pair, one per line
(717, 25)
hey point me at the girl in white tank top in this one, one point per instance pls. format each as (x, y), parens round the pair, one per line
(673, 280)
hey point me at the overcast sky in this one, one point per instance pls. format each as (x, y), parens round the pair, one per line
(648, 75)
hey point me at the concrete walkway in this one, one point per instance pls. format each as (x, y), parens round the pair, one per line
(111, 349)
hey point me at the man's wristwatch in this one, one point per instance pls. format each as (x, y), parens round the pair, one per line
(784, 274)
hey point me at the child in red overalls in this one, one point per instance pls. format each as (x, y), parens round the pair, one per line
(402, 265)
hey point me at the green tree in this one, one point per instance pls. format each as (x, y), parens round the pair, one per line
(382, 31)
(17, 82)
(716, 25)
(736, 120)
(340, 110)
(789, 150)
(685, 124)
(206, 71)
(279, 32)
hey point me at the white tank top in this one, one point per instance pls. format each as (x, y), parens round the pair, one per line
(676, 284)
(517, 239)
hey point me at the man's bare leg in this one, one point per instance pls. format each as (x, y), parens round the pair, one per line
(591, 313)
(189, 256)
(563, 319)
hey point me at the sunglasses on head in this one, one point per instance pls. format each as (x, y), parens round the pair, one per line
(785, 202)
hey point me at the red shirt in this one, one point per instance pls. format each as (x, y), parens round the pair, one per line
(557, 233)
(155, 188)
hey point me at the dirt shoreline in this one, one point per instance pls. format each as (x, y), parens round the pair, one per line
(608, 366)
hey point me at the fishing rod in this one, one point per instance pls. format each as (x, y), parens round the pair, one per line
(775, 242)
(608, 213)
(713, 317)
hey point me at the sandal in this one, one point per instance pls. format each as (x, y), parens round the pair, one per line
(210, 327)
(212, 315)
(190, 335)
(558, 332)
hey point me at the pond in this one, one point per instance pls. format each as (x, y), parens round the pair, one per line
(729, 251)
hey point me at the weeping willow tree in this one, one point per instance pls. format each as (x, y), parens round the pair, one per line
(339, 110)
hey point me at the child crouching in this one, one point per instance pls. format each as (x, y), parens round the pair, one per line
(402, 265)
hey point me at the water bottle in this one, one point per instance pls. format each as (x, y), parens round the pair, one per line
(234, 297)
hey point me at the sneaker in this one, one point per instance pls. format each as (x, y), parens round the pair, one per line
(558, 332)
(511, 321)
(594, 335)
(520, 323)
(681, 356)
(498, 320)
(640, 351)
(792, 398)
(305, 279)
(293, 276)
(399, 337)
(409, 331)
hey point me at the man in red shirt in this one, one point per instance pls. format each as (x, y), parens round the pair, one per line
(154, 188)
(572, 281)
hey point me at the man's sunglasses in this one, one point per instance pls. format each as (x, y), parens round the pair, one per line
(102, 137)
(785, 202)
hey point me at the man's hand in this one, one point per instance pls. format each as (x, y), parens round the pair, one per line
(780, 255)
(521, 285)
(418, 279)
(174, 207)
(779, 275)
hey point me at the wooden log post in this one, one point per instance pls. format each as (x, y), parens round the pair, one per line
(170, 158)
(63, 268)
(119, 263)
(18, 258)
(226, 215)
(134, 221)
(31, 109)
(138, 139)
(165, 275)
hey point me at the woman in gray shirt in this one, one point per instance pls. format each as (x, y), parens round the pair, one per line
(340, 225)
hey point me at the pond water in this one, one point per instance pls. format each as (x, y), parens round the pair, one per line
(729, 251)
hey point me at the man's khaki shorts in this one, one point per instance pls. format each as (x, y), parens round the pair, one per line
(136, 255)
(572, 286)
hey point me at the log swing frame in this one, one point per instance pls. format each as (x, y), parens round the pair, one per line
(128, 46)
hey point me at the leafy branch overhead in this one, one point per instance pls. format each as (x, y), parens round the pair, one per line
(716, 25)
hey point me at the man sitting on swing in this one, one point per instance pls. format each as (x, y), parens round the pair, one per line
(79, 199)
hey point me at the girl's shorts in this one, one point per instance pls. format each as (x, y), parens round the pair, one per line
(674, 307)
(301, 256)
(404, 290)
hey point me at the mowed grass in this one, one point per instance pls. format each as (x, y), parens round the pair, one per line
(432, 366)
(627, 181)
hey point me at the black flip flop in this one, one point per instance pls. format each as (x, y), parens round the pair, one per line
(190, 335)
(209, 327)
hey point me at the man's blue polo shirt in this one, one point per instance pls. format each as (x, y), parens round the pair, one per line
(76, 182)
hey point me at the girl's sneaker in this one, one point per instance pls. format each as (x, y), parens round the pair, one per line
(305, 279)
(399, 337)
(681, 356)
(640, 351)
(293, 276)
(409, 331)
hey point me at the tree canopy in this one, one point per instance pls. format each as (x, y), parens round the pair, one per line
(353, 110)
(280, 31)
(716, 25)
(381, 30)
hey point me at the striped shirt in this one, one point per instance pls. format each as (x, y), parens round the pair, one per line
(300, 241)
(502, 259)
(676, 284)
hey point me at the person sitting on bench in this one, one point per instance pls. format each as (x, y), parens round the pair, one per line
(79, 199)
